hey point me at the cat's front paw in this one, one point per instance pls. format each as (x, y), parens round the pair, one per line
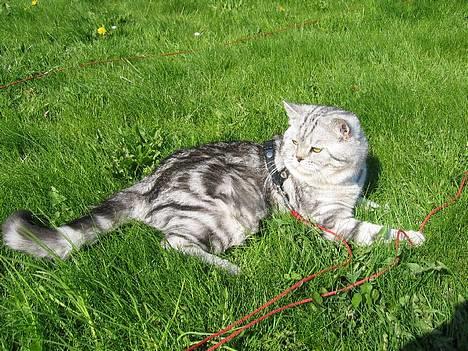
(415, 238)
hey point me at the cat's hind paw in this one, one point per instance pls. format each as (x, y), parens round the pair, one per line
(232, 268)
(367, 204)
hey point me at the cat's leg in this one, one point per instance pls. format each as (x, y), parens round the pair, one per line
(190, 248)
(202, 230)
(365, 233)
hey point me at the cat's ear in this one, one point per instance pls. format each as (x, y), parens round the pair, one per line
(342, 128)
(294, 111)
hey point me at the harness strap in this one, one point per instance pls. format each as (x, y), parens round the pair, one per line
(277, 176)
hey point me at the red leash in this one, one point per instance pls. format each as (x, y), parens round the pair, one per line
(297, 285)
(238, 41)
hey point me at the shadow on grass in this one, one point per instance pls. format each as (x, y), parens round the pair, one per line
(374, 169)
(450, 336)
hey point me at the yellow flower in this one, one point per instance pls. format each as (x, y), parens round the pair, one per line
(101, 30)
(34, 2)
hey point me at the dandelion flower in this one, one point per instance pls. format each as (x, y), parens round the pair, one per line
(101, 30)
(34, 2)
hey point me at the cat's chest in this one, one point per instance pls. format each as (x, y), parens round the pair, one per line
(318, 201)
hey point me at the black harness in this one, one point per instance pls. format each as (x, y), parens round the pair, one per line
(277, 176)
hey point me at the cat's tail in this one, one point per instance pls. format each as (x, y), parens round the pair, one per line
(23, 232)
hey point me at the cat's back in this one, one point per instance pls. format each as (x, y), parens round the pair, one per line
(232, 156)
(235, 152)
(205, 168)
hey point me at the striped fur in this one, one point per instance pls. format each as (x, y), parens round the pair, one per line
(210, 198)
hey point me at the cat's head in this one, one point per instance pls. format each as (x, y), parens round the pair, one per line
(323, 141)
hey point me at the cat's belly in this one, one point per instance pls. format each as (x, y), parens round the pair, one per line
(214, 225)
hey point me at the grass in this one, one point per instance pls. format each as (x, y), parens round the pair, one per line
(70, 140)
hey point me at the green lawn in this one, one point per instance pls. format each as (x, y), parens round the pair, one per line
(71, 139)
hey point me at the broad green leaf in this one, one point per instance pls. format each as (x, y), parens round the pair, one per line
(366, 288)
(356, 300)
(317, 298)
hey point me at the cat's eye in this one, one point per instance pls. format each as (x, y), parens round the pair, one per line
(315, 149)
(294, 142)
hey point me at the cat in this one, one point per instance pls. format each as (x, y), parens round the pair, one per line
(208, 199)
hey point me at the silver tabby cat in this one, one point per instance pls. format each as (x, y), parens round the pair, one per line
(210, 198)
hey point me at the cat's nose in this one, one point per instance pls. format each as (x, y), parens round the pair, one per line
(299, 158)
